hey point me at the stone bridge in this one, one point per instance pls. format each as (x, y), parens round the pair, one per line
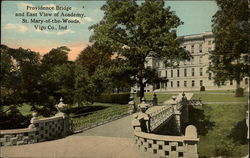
(158, 129)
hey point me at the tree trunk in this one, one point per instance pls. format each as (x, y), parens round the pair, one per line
(239, 91)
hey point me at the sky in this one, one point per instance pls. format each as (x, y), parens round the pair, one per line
(196, 16)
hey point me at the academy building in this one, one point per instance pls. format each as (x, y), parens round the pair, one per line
(189, 75)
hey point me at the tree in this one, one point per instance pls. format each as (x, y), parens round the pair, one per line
(136, 31)
(56, 56)
(19, 74)
(230, 58)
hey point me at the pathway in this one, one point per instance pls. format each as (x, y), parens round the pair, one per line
(111, 140)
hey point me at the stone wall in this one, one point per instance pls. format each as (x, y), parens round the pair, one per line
(153, 145)
(40, 130)
(18, 136)
(148, 124)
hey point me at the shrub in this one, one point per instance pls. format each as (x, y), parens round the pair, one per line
(202, 88)
(121, 98)
(239, 92)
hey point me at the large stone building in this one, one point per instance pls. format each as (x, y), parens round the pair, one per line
(189, 75)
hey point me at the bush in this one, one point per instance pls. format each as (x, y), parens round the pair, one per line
(122, 98)
(239, 92)
(202, 88)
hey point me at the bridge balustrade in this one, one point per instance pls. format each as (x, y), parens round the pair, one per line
(154, 145)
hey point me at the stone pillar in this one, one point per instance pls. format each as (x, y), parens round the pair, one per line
(177, 115)
(61, 107)
(191, 142)
(143, 117)
(185, 105)
(131, 105)
(155, 100)
(34, 118)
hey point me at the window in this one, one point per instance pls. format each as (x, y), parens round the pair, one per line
(246, 81)
(159, 73)
(209, 49)
(209, 76)
(178, 83)
(166, 73)
(180, 154)
(171, 83)
(185, 83)
(209, 42)
(201, 71)
(162, 85)
(178, 73)
(192, 49)
(231, 82)
(193, 83)
(192, 71)
(172, 73)
(201, 83)
(185, 72)
(200, 47)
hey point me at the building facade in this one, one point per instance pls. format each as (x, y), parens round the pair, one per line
(189, 75)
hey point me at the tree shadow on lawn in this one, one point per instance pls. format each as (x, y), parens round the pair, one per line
(239, 132)
(200, 120)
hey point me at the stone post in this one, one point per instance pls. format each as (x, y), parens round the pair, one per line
(185, 105)
(177, 115)
(61, 107)
(191, 141)
(131, 105)
(155, 100)
(143, 117)
(34, 117)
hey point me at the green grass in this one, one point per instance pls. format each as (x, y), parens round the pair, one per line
(23, 108)
(228, 97)
(226, 117)
(161, 97)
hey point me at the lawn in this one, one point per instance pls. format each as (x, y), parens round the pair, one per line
(219, 97)
(228, 135)
(160, 96)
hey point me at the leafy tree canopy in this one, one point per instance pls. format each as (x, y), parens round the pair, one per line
(230, 59)
(136, 31)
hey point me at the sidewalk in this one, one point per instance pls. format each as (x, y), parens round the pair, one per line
(75, 146)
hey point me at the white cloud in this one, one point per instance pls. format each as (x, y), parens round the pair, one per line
(88, 19)
(17, 27)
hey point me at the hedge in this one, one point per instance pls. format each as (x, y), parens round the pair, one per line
(121, 98)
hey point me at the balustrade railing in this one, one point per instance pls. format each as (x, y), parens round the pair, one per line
(92, 119)
(160, 116)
